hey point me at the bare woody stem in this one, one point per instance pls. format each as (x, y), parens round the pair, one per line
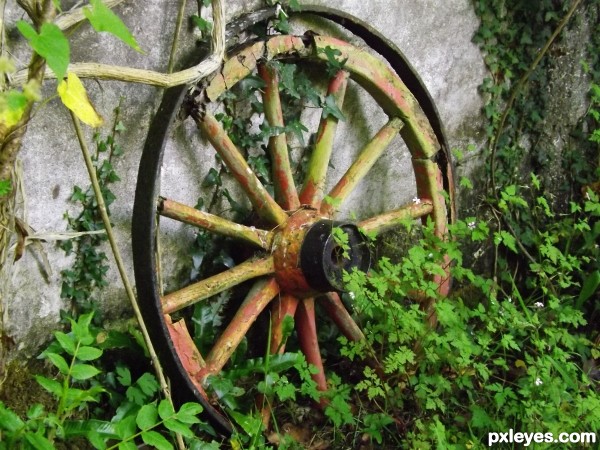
(117, 254)
(150, 77)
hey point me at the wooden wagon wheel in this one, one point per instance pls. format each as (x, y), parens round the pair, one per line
(294, 260)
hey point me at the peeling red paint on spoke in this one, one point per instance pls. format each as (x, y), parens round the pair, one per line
(285, 189)
(218, 283)
(307, 335)
(338, 313)
(314, 186)
(257, 299)
(265, 205)
(188, 353)
(388, 220)
(216, 224)
(284, 306)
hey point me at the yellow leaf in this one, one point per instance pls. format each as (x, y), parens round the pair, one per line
(73, 95)
(519, 363)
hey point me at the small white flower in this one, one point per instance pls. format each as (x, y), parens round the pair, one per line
(538, 304)
(416, 200)
(471, 225)
(538, 382)
(280, 10)
(509, 300)
(351, 294)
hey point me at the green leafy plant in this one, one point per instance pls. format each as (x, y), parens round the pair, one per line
(88, 271)
(140, 417)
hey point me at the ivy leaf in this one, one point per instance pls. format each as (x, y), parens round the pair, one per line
(51, 44)
(212, 178)
(73, 95)
(103, 19)
(296, 128)
(330, 108)
(333, 63)
(203, 25)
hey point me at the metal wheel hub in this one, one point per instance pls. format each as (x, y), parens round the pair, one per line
(309, 258)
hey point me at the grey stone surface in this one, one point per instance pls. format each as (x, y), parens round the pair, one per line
(435, 36)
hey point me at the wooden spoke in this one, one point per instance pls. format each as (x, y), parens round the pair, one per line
(314, 186)
(218, 283)
(188, 353)
(257, 299)
(215, 224)
(388, 220)
(307, 334)
(336, 310)
(265, 205)
(285, 189)
(361, 166)
(286, 305)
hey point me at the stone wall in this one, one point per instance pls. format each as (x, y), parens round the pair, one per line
(435, 37)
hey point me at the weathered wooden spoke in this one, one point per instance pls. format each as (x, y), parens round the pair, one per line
(218, 283)
(391, 219)
(309, 343)
(262, 201)
(216, 224)
(361, 166)
(340, 316)
(285, 188)
(316, 173)
(256, 301)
